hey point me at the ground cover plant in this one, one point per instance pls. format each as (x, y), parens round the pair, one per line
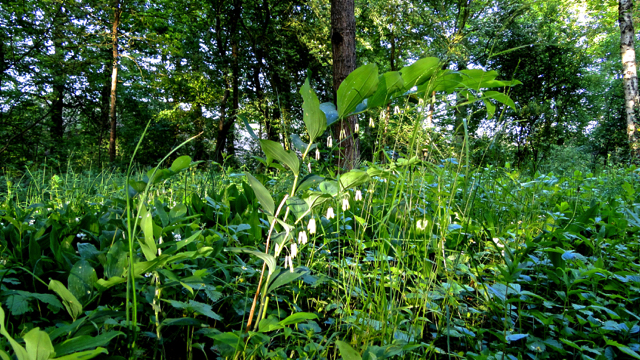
(411, 257)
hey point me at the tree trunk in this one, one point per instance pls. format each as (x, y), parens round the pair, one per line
(343, 44)
(630, 79)
(114, 80)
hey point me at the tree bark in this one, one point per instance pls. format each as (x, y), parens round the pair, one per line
(114, 80)
(343, 44)
(630, 78)
(225, 138)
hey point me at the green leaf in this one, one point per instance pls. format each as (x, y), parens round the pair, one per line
(269, 324)
(38, 345)
(297, 318)
(347, 352)
(147, 243)
(419, 72)
(248, 127)
(184, 321)
(69, 301)
(314, 118)
(138, 186)
(116, 260)
(300, 145)
(196, 307)
(359, 85)
(329, 110)
(84, 355)
(274, 150)
(21, 353)
(263, 195)
(297, 206)
(491, 109)
(625, 349)
(181, 163)
(177, 212)
(82, 278)
(476, 78)
(388, 84)
(501, 97)
(285, 276)
(85, 342)
(309, 181)
(103, 285)
(329, 187)
(270, 260)
(353, 178)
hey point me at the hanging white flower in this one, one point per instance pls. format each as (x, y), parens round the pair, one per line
(371, 123)
(330, 213)
(290, 264)
(312, 226)
(329, 141)
(309, 166)
(317, 154)
(294, 250)
(302, 237)
(343, 134)
(345, 204)
(396, 110)
(358, 195)
(356, 129)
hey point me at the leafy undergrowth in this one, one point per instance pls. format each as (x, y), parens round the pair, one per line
(488, 264)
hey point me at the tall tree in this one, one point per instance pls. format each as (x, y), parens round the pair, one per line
(114, 79)
(343, 44)
(630, 77)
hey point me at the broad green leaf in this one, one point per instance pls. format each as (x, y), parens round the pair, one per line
(248, 127)
(263, 195)
(359, 85)
(147, 242)
(297, 318)
(196, 307)
(270, 260)
(347, 352)
(301, 145)
(138, 186)
(84, 342)
(419, 72)
(501, 97)
(184, 321)
(84, 355)
(329, 110)
(625, 349)
(516, 337)
(353, 178)
(69, 301)
(177, 212)
(329, 187)
(308, 181)
(103, 284)
(476, 78)
(20, 352)
(181, 163)
(274, 150)
(285, 276)
(388, 84)
(159, 175)
(116, 260)
(297, 206)
(4, 356)
(491, 109)
(164, 217)
(82, 278)
(269, 324)
(314, 118)
(188, 240)
(38, 344)
(446, 81)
